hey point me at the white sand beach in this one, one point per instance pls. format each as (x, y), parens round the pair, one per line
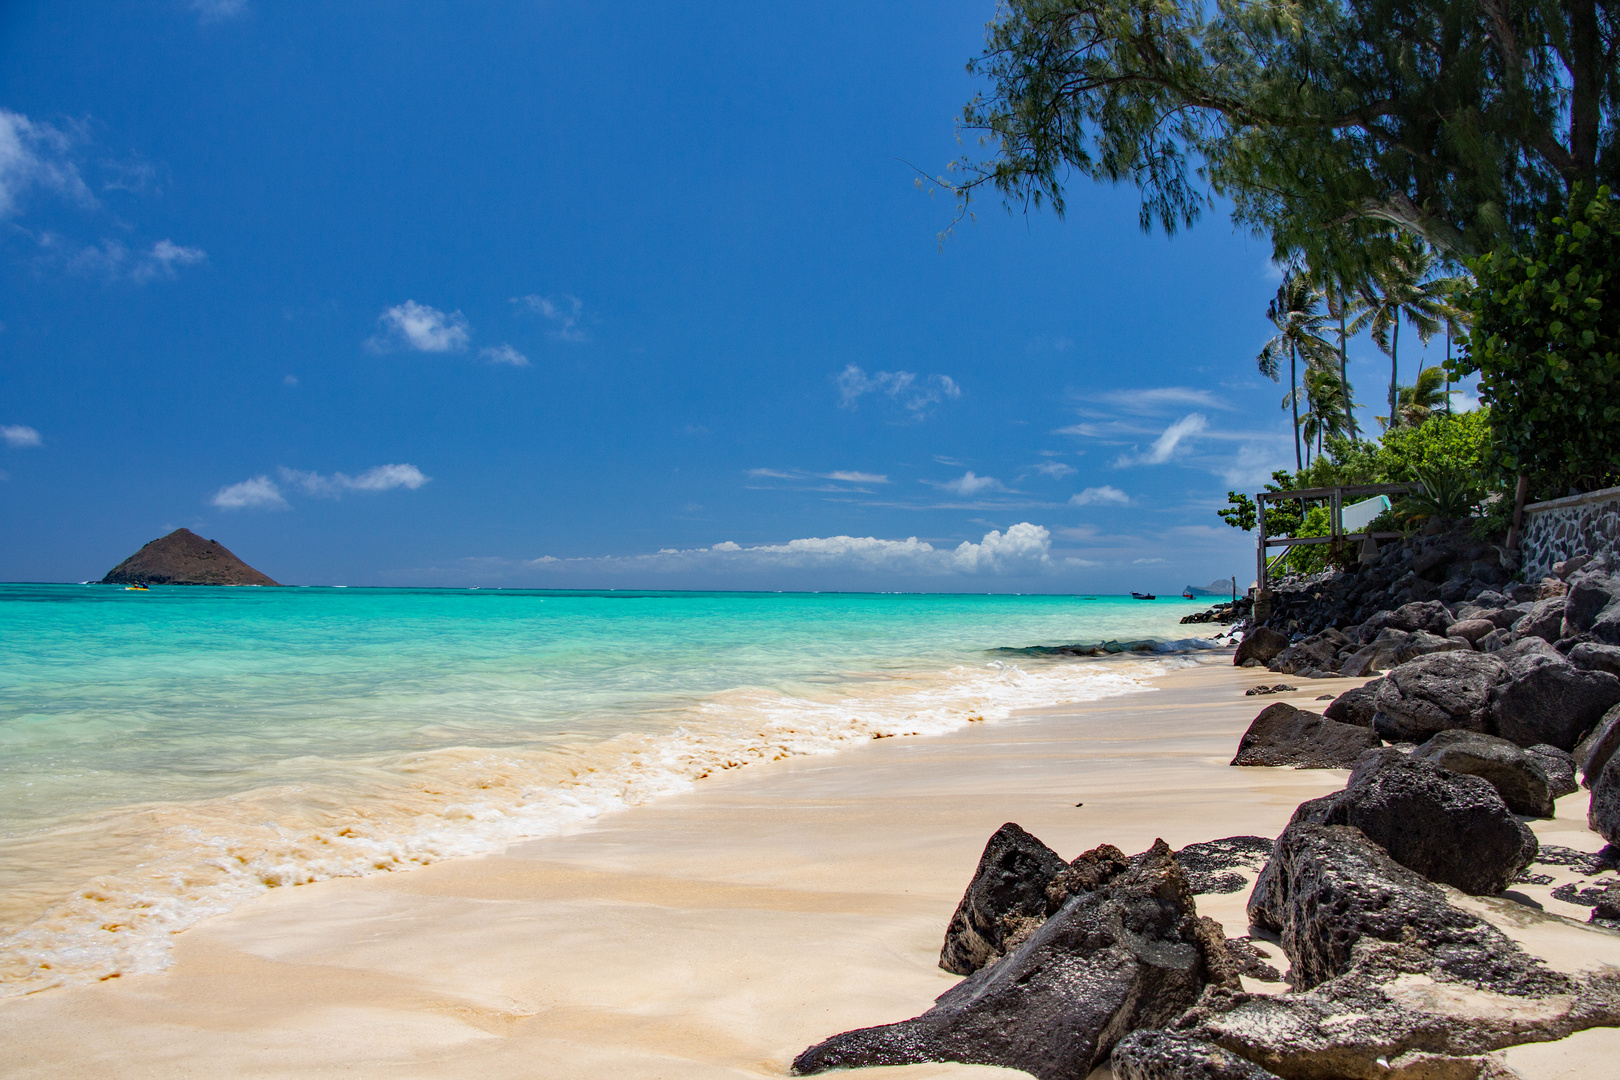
(719, 933)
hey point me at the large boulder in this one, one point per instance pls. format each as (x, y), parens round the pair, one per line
(1437, 693)
(1517, 776)
(1355, 706)
(1559, 765)
(1154, 1054)
(1470, 630)
(1388, 648)
(1262, 644)
(1132, 954)
(1589, 595)
(1328, 887)
(1599, 746)
(1007, 892)
(1284, 735)
(1595, 656)
(1603, 815)
(1546, 699)
(1451, 828)
(1545, 620)
(1319, 652)
(1430, 615)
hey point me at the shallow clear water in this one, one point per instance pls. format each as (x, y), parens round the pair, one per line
(164, 755)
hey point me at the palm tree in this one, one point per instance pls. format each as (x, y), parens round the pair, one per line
(1330, 407)
(1296, 312)
(1401, 290)
(1343, 304)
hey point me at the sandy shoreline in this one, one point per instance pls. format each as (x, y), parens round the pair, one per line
(712, 934)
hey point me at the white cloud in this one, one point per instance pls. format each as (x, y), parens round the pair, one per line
(565, 313)
(161, 261)
(1145, 562)
(850, 477)
(20, 435)
(1057, 470)
(379, 478)
(1023, 547)
(904, 387)
(112, 259)
(259, 492)
(1105, 494)
(1166, 444)
(37, 155)
(420, 327)
(1160, 398)
(504, 354)
(970, 484)
(211, 11)
(774, 474)
(290, 380)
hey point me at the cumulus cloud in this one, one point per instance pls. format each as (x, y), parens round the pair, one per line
(379, 478)
(37, 155)
(504, 354)
(565, 313)
(20, 435)
(1165, 446)
(161, 261)
(906, 388)
(1057, 470)
(1023, 547)
(417, 326)
(971, 484)
(255, 493)
(1105, 494)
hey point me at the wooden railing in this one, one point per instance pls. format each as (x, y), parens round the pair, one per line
(1335, 497)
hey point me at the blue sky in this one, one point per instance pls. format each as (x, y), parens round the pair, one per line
(581, 295)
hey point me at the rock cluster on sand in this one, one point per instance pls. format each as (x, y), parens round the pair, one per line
(184, 558)
(1487, 693)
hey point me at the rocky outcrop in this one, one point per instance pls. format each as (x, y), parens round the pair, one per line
(1174, 1055)
(1089, 871)
(1517, 776)
(1437, 693)
(1328, 887)
(1004, 901)
(184, 558)
(1450, 828)
(1132, 954)
(1284, 735)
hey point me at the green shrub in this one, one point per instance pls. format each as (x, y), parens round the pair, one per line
(1546, 342)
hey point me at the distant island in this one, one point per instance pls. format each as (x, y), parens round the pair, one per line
(184, 558)
(1218, 587)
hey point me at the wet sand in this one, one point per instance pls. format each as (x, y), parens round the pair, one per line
(719, 933)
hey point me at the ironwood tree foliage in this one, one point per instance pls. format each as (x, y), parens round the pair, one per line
(1325, 122)
(1546, 342)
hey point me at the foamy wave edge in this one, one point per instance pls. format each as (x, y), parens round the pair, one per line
(469, 801)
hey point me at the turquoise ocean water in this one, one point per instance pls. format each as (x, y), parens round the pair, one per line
(166, 755)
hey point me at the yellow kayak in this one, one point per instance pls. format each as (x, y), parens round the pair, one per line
(136, 588)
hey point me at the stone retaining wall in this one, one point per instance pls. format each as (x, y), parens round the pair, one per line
(1581, 524)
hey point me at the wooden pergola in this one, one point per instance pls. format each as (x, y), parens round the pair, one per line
(1335, 497)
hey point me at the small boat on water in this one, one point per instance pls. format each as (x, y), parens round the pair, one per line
(137, 588)
(1187, 595)
(1143, 596)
